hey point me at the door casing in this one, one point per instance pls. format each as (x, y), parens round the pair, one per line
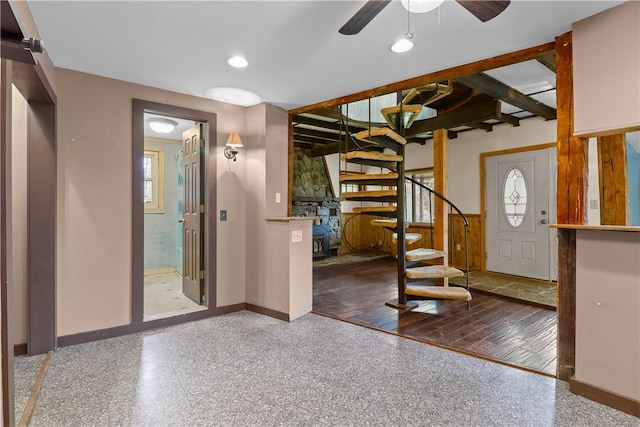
(137, 254)
(483, 195)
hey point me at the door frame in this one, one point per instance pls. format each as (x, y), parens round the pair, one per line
(483, 192)
(137, 245)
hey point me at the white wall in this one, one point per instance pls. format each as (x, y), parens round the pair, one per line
(19, 215)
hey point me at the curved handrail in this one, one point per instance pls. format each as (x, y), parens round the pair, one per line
(440, 196)
(464, 220)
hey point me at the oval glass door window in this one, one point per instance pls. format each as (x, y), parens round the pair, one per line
(514, 200)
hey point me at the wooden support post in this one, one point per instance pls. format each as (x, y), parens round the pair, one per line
(441, 217)
(571, 204)
(612, 170)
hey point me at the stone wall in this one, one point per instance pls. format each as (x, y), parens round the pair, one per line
(310, 178)
(313, 195)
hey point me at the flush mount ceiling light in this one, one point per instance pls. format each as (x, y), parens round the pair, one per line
(421, 6)
(237, 62)
(162, 125)
(233, 96)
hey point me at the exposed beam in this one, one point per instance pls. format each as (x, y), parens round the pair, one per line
(496, 89)
(317, 122)
(333, 113)
(310, 139)
(317, 133)
(507, 118)
(341, 147)
(549, 61)
(482, 125)
(463, 116)
(438, 76)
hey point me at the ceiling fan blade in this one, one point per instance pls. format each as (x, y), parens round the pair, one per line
(363, 16)
(484, 10)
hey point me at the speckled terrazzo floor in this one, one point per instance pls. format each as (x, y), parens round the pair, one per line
(244, 369)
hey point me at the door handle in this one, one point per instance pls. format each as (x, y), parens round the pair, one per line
(181, 220)
(543, 221)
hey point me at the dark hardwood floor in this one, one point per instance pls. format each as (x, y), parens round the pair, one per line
(495, 328)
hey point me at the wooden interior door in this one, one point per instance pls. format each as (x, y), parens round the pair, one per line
(193, 241)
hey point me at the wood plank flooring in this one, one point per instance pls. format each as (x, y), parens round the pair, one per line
(495, 328)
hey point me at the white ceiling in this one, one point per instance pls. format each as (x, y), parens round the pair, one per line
(296, 55)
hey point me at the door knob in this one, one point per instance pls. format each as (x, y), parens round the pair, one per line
(181, 220)
(544, 221)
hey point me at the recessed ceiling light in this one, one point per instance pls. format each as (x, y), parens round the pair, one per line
(403, 45)
(237, 62)
(234, 96)
(162, 125)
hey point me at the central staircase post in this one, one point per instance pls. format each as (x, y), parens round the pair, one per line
(401, 231)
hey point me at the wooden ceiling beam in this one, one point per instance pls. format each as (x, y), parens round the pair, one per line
(465, 115)
(303, 120)
(482, 126)
(341, 147)
(309, 140)
(548, 61)
(507, 118)
(496, 89)
(438, 76)
(331, 136)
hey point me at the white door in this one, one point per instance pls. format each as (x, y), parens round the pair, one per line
(520, 201)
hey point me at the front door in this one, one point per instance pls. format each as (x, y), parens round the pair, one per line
(520, 207)
(193, 241)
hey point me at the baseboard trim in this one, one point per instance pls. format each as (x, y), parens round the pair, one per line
(613, 400)
(268, 312)
(20, 349)
(131, 328)
(154, 271)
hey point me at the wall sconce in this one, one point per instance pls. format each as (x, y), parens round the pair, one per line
(233, 142)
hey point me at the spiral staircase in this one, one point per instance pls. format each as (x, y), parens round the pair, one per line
(423, 273)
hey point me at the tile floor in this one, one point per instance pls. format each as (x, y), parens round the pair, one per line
(537, 291)
(244, 369)
(163, 297)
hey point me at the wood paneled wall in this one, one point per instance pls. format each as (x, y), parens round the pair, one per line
(360, 236)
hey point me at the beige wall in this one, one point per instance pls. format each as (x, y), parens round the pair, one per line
(464, 156)
(19, 215)
(267, 173)
(606, 66)
(608, 311)
(94, 199)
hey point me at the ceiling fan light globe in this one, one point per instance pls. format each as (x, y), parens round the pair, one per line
(421, 6)
(401, 46)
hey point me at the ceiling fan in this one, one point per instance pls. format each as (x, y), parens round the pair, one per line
(484, 10)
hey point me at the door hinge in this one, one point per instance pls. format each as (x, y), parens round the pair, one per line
(202, 142)
(201, 208)
(485, 255)
(201, 274)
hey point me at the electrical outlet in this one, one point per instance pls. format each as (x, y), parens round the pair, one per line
(594, 204)
(277, 197)
(458, 247)
(296, 236)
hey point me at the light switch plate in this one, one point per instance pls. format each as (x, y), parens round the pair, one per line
(223, 215)
(277, 197)
(296, 236)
